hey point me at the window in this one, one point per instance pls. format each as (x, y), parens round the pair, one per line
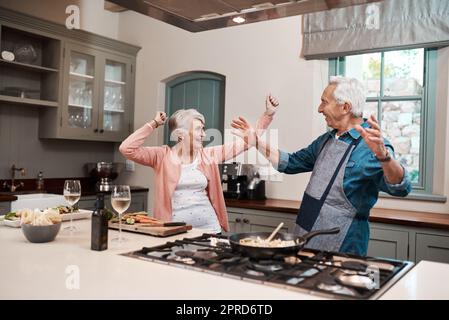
(400, 93)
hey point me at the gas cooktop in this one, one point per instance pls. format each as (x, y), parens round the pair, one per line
(328, 274)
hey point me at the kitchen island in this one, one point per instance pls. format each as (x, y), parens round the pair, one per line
(48, 271)
(67, 269)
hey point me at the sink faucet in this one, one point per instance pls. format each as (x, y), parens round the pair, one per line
(13, 187)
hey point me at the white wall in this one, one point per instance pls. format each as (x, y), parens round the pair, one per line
(255, 58)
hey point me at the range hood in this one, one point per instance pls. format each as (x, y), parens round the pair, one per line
(202, 15)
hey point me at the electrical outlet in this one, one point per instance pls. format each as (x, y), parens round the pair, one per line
(130, 166)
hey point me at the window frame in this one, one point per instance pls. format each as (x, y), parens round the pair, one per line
(424, 188)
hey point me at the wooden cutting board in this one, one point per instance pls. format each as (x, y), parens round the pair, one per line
(152, 231)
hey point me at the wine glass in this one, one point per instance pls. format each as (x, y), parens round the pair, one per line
(72, 193)
(120, 200)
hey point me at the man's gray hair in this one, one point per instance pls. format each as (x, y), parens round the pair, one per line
(349, 90)
(180, 122)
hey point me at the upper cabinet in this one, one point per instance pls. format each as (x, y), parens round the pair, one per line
(97, 99)
(29, 68)
(82, 83)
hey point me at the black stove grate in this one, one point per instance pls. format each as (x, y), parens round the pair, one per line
(330, 274)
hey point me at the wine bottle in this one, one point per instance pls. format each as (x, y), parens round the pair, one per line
(99, 238)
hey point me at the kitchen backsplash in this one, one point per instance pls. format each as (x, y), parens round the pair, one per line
(20, 145)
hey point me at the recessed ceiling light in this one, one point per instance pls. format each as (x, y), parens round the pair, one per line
(238, 19)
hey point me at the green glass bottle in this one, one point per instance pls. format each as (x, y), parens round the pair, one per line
(99, 237)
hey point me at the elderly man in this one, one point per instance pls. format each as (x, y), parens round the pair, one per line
(349, 165)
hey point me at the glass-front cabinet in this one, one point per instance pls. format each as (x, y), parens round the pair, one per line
(114, 117)
(80, 94)
(97, 100)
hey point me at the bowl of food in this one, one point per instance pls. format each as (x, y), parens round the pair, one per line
(40, 226)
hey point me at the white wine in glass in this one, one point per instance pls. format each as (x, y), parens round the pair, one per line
(72, 194)
(121, 204)
(120, 200)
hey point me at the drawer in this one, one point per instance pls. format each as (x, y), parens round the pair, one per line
(388, 243)
(432, 247)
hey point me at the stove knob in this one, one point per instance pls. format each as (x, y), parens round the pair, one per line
(238, 220)
(246, 221)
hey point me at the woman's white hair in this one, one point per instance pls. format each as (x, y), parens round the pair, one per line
(349, 90)
(180, 122)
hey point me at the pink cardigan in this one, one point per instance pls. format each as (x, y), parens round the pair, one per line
(167, 169)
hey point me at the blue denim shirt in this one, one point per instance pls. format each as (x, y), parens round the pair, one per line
(362, 181)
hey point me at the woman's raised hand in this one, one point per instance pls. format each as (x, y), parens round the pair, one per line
(244, 130)
(271, 104)
(160, 118)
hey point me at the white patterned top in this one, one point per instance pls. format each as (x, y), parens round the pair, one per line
(190, 202)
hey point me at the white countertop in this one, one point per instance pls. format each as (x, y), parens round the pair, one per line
(38, 271)
(48, 271)
(426, 281)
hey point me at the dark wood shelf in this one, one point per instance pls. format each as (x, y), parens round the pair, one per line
(36, 102)
(25, 66)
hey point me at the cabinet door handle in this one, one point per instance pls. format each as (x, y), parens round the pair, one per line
(246, 221)
(101, 131)
(238, 220)
(96, 130)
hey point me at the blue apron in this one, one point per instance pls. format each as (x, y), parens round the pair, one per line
(324, 204)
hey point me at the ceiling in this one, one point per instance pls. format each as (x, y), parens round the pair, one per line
(202, 15)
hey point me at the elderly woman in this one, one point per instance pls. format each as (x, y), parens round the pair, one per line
(187, 179)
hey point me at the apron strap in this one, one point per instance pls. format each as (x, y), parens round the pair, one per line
(354, 144)
(324, 143)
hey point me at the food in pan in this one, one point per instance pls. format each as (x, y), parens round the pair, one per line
(259, 242)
